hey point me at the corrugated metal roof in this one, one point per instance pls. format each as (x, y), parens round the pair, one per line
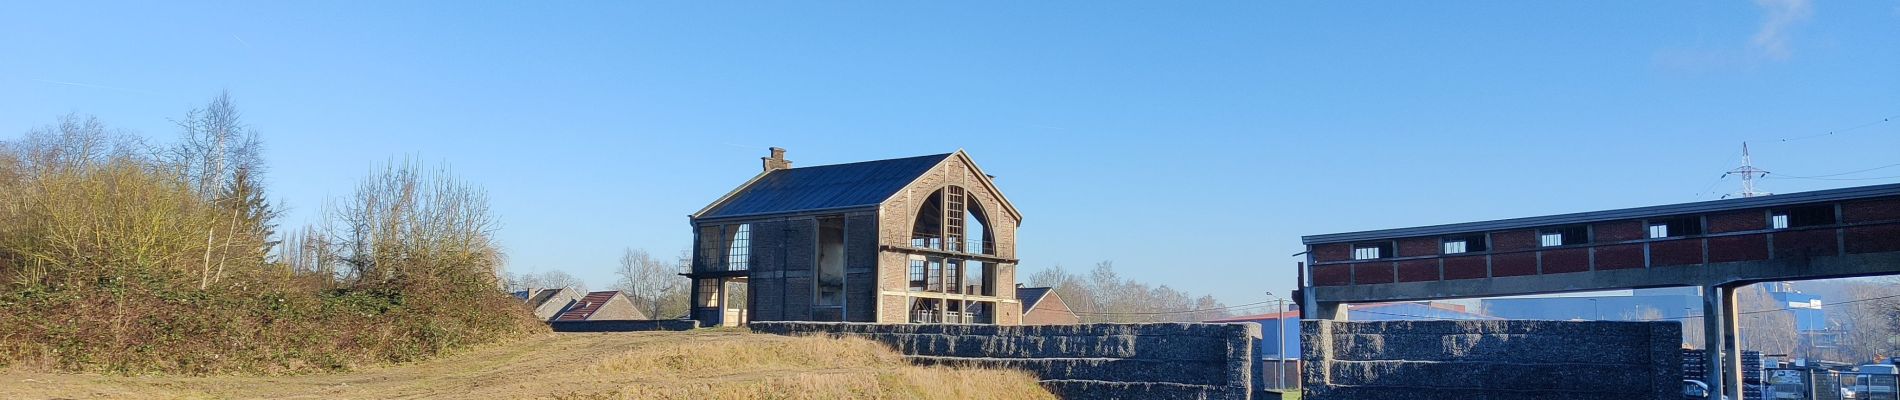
(1819, 196)
(825, 187)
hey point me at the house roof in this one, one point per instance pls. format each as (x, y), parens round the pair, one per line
(587, 306)
(1030, 296)
(836, 186)
(1777, 200)
(542, 296)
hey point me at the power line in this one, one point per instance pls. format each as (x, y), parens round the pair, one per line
(1831, 133)
(1839, 174)
(1780, 309)
(1836, 179)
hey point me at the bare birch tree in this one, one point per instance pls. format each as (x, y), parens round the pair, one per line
(651, 283)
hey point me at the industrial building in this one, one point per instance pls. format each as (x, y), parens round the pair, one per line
(924, 239)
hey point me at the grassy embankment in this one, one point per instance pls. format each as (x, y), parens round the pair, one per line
(658, 365)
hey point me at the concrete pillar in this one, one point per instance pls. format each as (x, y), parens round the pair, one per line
(1718, 336)
(1732, 344)
(1712, 338)
(1326, 311)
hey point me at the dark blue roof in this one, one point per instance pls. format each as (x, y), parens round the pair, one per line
(1031, 295)
(825, 187)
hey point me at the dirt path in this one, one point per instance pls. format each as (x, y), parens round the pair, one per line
(553, 365)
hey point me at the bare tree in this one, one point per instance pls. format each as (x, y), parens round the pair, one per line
(216, 144)
(407, 226)
(550, 279)
(651, 283)
(1104, 296)
(1868, 322)
(1770, 332)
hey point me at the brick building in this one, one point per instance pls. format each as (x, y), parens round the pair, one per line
(1714, 247)
(1042, 306)
(910, 240)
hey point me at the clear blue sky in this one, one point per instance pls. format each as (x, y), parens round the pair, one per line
(1191, 143)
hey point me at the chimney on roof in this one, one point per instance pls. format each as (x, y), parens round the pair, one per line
(777, 161)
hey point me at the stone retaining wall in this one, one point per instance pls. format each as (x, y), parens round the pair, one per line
(1096, 361)
(1496, 360)
(624, 325)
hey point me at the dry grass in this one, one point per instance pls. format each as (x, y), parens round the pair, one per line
(656, 365)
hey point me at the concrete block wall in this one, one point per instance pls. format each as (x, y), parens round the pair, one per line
(1096, 361)
(1497, 360)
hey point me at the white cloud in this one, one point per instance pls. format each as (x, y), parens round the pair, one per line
(1781, 17)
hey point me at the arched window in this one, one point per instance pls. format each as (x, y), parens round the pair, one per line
(927, 232)
(981, 239)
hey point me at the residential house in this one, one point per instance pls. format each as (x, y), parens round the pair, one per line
(1042, 306)
(602, 306)
(548, 303)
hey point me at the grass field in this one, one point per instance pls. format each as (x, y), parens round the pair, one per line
(707, 364)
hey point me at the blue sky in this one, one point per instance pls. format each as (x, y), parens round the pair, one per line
(1190, 143)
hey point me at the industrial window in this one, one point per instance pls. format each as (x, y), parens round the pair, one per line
(830, 261)
(981, 239)
(933, 275)
(708, 293)
(712, 245)
(1675, 227)
(1796, 217)
(917, 267)
(953, 274)
(1371, 251)
(927, 230)
(739, 255)
(1564, 236)
(976, 283)
(1464, 244)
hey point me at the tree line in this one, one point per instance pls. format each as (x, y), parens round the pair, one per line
(123, 254)
(652, 283)
(1103, 296)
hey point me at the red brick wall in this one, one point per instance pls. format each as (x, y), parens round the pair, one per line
(1418, 270)
(1467, 267)
(1805, 243)
(1051, 310)
(1332, 252)
(1514, 264)
(1873, 239)
(1416, 247)
(1675, 252)
(1622, 256)
(1375, 272)
(1566, 260)
(1332, 275)
(1871, 210)
(1618, 231)
(1738, 248)
(1745, 220)
(1514, 240)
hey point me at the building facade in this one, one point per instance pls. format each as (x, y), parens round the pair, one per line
(910, 240)
(1042, 306)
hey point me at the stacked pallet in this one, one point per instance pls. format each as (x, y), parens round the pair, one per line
(1695, 365)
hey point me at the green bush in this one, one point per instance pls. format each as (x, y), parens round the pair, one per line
(115, 261)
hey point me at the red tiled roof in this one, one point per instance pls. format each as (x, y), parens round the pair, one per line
(586, 306)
